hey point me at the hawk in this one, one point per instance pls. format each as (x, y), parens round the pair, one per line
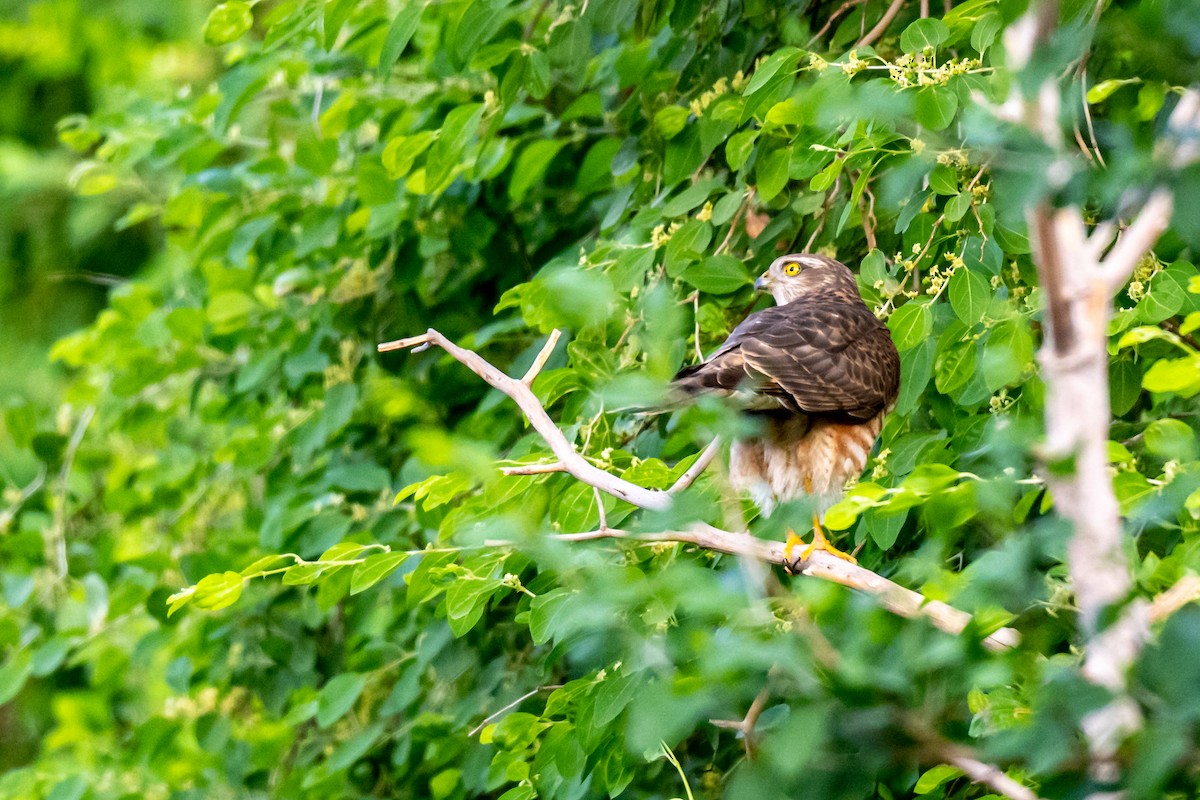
(819, 371)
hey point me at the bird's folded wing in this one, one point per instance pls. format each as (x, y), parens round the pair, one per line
(810, 358)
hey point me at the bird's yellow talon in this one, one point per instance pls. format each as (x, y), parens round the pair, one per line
(819, 543)
(792, 542)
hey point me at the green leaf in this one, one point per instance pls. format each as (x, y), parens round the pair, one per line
(447, 152)
(1179, 376)
(958, 206)
(543, 613)
(479, 22)
(531, 166)
(401, 152)
(954, 367)
(1164, 299)
(14, 673)
(92, 178)
(944, 180)
(935, 106)
(922, 34)
(984, 32)
(218, 591)
(686, 245)
(911, 324)
(669, 121)
(739, 147)
(1104, 89)
(970, 295)
(785, 57)
(338, 696)
(375, 569)
(401, 31)
(1171, 439)
(935, 776)
(689, 198)
(771, 174)
(1124, 384)
(228, 22)
(1007, 351)
(717, 275)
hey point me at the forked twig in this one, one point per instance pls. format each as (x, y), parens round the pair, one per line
(892, 596)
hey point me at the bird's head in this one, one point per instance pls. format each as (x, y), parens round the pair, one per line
(798, 275)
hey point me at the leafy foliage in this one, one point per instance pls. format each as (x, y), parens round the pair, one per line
(620, 170)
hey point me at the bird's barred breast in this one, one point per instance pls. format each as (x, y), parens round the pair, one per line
(801, 456)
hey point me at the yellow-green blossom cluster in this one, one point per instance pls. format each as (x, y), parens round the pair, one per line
(1146, 269)
(702, 102)
(938, 276)
(922, 69)
(662, 234)
(853, 64)
(1000, 402)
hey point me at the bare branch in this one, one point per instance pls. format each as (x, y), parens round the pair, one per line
(542, 357)
(842, 9)
(600, 509)
(992, 777)
(534, 469)
(56, 536)
(882, 25)
(527, 401)
(895, 598)
(493, 717)
(1186, 591)
(695, 470)
(1137, 239)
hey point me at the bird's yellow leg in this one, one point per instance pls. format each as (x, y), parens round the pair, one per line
(792, 541)
(819, 542)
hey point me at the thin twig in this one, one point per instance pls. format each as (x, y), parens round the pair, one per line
(542, 357)
(895, 598)
(1087, 116)
(32, 488)
(56, 540)
(842, 9)
(694, 471)
(992, 777)
(882, 25)
(600, 509)
(1185, 591)
(822, 565)
(493, 717)
(534, 469)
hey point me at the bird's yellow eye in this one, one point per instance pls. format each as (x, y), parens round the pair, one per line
(792, 269)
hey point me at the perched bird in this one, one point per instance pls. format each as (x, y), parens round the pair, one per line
(819, 371)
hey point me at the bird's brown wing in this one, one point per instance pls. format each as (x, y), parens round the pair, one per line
(814, 356)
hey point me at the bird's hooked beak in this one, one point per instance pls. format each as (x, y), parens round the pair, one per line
(763, 283)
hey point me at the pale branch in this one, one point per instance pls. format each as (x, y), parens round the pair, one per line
(1179, 149)
(1137, 240)
(527, 401)
(56, 536)
(496, 715)
(842, 9)
(882, 25)
(695, 470)
(895, 598)
(542, 357)
(747, 724)
(991, 776)
(892, 596)
(1184, 592)
(1077, 289)
(534, 469)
